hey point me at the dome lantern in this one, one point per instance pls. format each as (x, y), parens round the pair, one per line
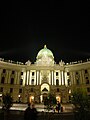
(45, 56)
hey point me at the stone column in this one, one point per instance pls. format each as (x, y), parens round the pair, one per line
(52, 77)
(83, 78)
(7, 76)
(72, 79)
(62, 79)
(29, 78)
(27, 74)
(40, 77)
(65, 74)
(15, 77)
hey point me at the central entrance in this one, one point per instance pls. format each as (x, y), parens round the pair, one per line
(45, 89)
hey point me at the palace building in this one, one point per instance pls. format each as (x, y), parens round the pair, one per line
(33, 82)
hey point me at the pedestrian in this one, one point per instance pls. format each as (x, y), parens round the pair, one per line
(28, 113)
(33, 112)
(58, 106)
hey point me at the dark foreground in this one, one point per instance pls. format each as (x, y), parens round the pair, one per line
(19, 115)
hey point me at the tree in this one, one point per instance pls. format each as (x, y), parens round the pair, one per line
(50, 101)
(7, 101)
(80, 99)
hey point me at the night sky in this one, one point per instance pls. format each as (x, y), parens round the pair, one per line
(26, 26)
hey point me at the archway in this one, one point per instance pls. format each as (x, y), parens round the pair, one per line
(45, 89)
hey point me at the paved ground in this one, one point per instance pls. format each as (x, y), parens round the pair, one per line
(41, 107)
(17, 113)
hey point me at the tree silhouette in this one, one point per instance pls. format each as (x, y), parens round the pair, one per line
(7, 101)
(50, 101)
(81, 101)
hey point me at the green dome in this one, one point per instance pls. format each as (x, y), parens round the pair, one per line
(45, 52)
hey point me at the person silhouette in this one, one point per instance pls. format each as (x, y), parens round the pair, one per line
(33, 112)
(28, 113)
(58, 106)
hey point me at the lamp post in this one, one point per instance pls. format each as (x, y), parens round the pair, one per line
(19, 96)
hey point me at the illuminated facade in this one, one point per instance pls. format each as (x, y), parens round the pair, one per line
(33, 82)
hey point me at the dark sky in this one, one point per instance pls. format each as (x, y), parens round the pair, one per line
(27, 25)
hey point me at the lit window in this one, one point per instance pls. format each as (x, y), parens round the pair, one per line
(69, 91)
(0, 95)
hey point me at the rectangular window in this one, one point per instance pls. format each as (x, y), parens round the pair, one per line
(32, 82)
(88, 89)
(21, 81)
(70, 98)
(1, 89)
(21, 73)
(31, 89)
(69, 82)
(56, 73)
(20, 90)
(4, 70)
(68, 73)
(13, 72)
(11, 90)
(32, 73)
(77, 82)
(86, 71)
(57, 82)
(12, 81)
(86, 77)
(87, 81)
(76, 73)
(3, 80)
(57, 89)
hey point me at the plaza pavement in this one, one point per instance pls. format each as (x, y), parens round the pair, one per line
(41, 107)
(17, 113)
